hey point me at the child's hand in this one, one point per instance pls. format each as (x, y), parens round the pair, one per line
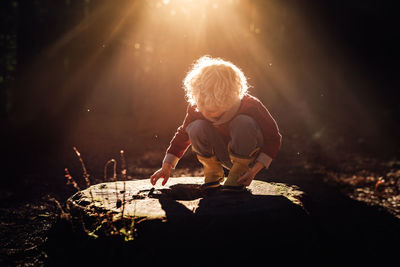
(164, 172)
(246, 178)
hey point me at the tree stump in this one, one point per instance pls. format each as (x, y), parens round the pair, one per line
(180, 217)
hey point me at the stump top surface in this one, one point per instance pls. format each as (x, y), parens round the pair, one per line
(181, 196)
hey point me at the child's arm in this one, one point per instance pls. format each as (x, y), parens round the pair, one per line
(178, 145)
(271, 137)
(180, 142)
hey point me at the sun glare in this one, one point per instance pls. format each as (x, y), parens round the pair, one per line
(148, 46)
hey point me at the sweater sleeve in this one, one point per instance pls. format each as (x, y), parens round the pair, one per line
(180, 142)
(272, 139)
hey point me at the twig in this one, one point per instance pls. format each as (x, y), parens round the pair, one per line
(63, 215)
(113, 161)
(58, 204)
(123, 163)
(71, 180)
(85, 173)
(123, 172)
(123, 200)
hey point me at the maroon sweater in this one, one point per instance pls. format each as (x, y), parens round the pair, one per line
(250, 106)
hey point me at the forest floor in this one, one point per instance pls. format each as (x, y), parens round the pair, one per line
(353, 199)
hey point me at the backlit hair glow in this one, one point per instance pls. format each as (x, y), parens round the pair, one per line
(214, 83)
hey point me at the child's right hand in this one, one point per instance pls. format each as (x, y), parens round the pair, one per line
(164, 172)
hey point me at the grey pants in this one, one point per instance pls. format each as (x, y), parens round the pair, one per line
(245, 136)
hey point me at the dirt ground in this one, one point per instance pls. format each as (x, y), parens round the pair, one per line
(352, 196)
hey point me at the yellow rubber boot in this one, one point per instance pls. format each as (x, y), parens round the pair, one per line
(213, 171)
(240, 165)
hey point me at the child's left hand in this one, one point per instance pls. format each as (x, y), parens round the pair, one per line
(246, 178)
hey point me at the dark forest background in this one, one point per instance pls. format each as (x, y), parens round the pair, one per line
(77, 73)
(106, 76)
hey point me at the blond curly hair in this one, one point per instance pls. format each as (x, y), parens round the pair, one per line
(214, 83)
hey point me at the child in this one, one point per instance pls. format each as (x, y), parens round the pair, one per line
(225, 126)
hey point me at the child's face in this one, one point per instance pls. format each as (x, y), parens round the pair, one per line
(212, 114)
